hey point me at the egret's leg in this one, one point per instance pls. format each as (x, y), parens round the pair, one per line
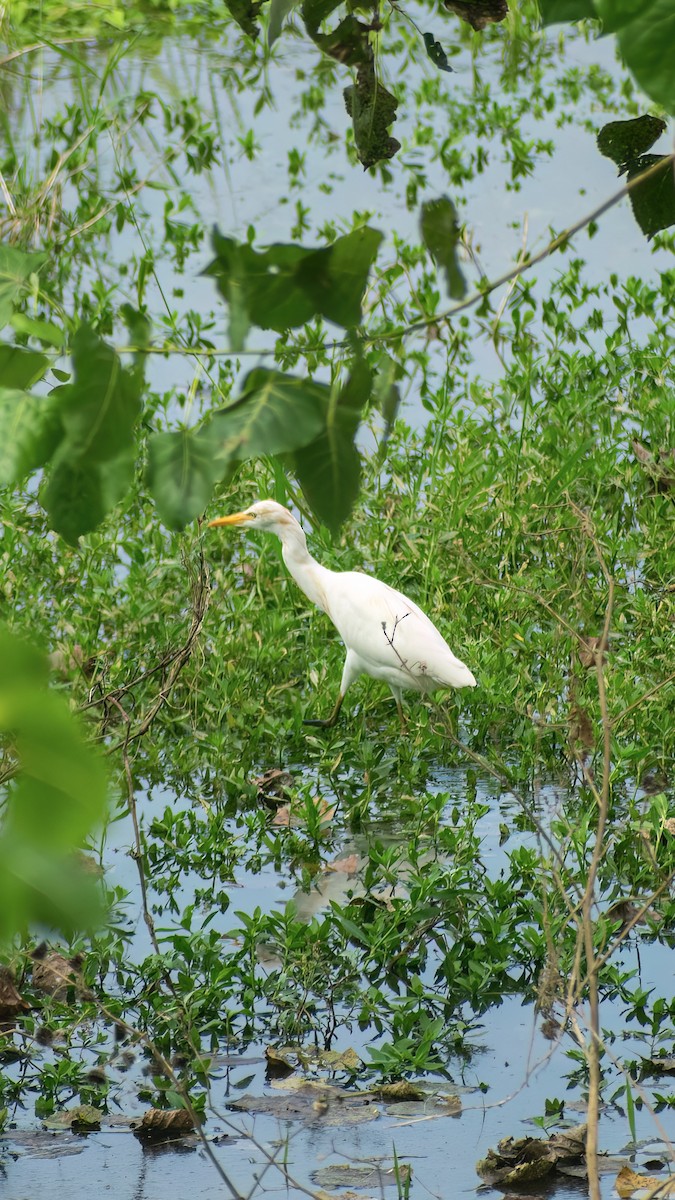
(331, 720)
(396, 693)
(350, 672)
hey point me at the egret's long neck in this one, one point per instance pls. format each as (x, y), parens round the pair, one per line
(309, 575)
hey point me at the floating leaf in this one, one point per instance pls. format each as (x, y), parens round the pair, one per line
(440, 234)
(375, 1176)
(82, 1116)
(160, 1123)
(436, 52)
(629, 1183)
(372, 110)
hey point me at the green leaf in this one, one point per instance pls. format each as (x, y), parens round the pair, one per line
(58, 797)
(625, 140)
(440, 234)
(555, 11)
(287, 285)
(16, 267)
(30, 431)
(335, 278)
(44, 331)
(436, 52)
(329, 468)
(80, 492)
(99, 409)
(182, 471)
(653, 201)
(386, 393)
(276, 414)
(646, 36)
(245, 13)
(21, 368)
(372, 110)
(279, 10)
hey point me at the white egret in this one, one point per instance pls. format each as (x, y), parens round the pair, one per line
(387, 636)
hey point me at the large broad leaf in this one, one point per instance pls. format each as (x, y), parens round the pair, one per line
(286, 285)
(99, 409)
(646, 35)
(182, 470)
(30, 430)
(329, 469)
(21, 368)
(335, 278)
(16, 267)
(277, 413)
(245, 13)
(653, 201)
(440, 234)
(554, 11)
(59, 796)
(624, 141)
(279, 10)
(80, 492)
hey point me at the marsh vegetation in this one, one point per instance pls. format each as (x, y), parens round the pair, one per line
(408, 313)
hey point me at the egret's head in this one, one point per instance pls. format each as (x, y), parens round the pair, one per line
(265, 514)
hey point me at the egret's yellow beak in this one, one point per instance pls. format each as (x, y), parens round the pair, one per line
(233, 519)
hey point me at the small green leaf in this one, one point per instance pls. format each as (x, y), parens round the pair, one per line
(436, 52)
(329, 468)
(21, 368)
(16, 267)
(30, 431)
(182, 471)
(440, 234)
(43, 331)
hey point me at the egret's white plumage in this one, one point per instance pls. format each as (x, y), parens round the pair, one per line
(387, 636)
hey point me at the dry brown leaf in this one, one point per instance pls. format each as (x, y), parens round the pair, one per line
(349, 865)
(11, 1001)
(479, 13)
(161, 1123)
(588, 651)
(56, 975)
(628, 1182)
(272, 786)
(669, 826)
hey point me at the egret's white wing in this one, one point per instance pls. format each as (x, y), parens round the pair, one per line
(385, 628)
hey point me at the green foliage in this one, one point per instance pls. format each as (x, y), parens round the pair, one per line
(56, 797)
(287, 285)
(440, 234)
